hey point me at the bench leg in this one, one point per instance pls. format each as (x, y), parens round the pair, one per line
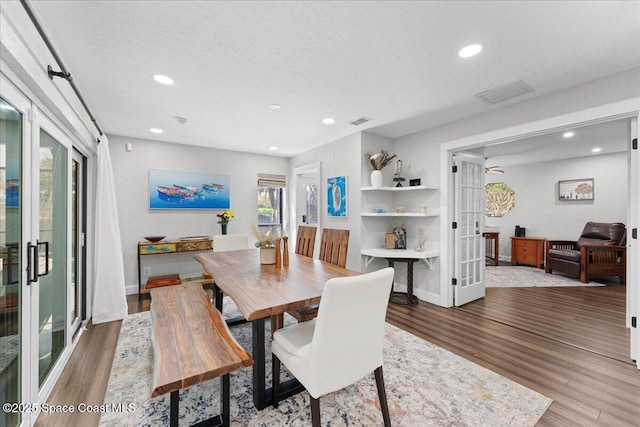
(174, 413)
(225, 398)
(217, 297)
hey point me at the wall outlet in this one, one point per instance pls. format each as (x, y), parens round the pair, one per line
(146, 271)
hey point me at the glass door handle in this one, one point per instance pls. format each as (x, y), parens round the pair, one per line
(32, 263)
(46, 257)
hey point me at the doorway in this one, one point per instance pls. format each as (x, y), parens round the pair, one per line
(602, 114)
(306, 200)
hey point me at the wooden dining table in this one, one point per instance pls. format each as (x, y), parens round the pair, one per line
(261, 291)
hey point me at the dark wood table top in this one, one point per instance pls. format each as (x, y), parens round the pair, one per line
(191, 340)
(261, 291)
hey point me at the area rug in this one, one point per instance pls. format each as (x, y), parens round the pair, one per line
(527, 277)
(426, 386)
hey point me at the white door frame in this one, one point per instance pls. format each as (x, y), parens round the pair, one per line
(294, 214)
(629, 108)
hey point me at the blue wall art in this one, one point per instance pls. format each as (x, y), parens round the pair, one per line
(188, 190)
(337, 196)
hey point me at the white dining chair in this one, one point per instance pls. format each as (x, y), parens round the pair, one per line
(230, 242)
(342, 345)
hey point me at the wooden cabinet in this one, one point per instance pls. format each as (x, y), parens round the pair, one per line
(527, 250)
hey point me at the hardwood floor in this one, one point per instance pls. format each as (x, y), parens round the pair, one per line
(569, 344)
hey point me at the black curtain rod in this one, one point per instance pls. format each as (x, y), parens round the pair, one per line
(64, 73)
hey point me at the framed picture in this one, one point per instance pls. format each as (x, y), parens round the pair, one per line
(337, 188)
(575, 189)
(188, 190)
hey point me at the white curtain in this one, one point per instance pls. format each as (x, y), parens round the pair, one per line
(109, 297)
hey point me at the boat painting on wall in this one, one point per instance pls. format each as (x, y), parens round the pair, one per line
(188, 190)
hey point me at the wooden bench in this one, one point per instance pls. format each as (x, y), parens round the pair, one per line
(191, 344)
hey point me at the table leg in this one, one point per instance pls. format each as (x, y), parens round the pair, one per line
(263, 396)
(410, 296)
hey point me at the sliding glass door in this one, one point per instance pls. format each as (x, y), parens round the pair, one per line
(42, 182)
(11, 280)
(51, 246)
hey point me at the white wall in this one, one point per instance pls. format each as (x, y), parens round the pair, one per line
(536, 198)
(340, 157)
(131, 171)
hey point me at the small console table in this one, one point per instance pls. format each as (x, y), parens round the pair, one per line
(402, 255)
(493, 238)
(169, 247)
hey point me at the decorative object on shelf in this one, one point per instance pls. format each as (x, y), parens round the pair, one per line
(423, 209)
(188, 190)
(337, 188)
(378, 161)
(500, 199)
(376, 178)
(397, 176)
(224, 219)
(421, 240)
(401, 209)
(575, 189)
(414, 182)
(400, 233)
(154, 239)
(390, 241)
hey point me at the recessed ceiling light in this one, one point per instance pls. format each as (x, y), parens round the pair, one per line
(471, 50)
(275, 106)
(273, 148)
(155, 130)
(596, 150)
(568, 134)
(328, 121)
(163, 79)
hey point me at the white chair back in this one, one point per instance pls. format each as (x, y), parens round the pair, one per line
(349, 330)
(230, 242)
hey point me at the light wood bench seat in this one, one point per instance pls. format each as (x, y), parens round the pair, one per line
(191, 344)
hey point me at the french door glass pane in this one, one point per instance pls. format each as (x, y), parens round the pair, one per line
(10, 249)
(312, 204)
(52, 260)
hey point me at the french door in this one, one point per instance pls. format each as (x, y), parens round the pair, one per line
(41, 186)
(468, 209)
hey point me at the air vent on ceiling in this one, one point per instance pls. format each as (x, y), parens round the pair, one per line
(502, 93)
(360, 121)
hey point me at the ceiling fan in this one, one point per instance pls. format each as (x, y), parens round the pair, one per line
(494, 169)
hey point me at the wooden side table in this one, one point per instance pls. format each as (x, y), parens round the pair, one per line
(494, 243)
(527, 250)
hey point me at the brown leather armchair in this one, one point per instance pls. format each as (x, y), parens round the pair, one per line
(600, 251)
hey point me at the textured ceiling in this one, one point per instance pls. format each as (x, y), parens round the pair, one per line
(395, 62)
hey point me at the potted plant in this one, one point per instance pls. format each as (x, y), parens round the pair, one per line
(378, 161)
(267, 244)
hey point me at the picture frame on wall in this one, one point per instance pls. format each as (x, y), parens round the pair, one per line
(337, 188)
(576, 189)
(188, 190)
